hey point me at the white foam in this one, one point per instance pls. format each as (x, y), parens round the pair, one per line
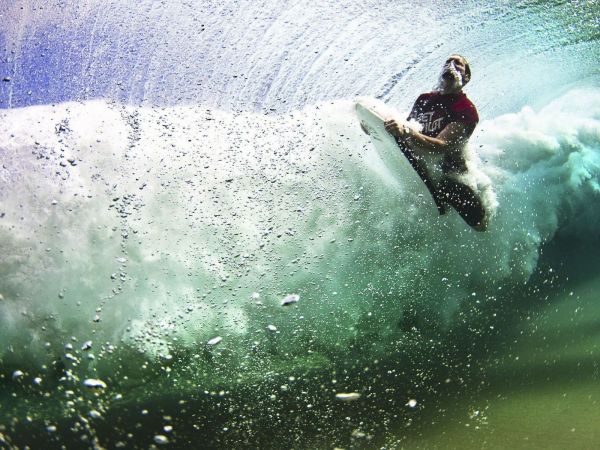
(218, 206)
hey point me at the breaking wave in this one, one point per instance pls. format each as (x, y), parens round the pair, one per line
(161, 229)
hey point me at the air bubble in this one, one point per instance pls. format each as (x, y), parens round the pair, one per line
(289, 299)
(214, 341)
(347, 396)
(94, 383)
(161, 439)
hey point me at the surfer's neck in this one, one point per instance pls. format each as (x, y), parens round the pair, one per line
(448, 91)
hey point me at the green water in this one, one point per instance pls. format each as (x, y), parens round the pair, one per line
(171, 172)
(523, 375)
(539, 384)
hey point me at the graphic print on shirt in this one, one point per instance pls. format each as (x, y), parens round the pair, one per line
(435, 111)
(430, 125)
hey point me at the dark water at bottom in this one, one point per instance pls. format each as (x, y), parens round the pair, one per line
(528, 378)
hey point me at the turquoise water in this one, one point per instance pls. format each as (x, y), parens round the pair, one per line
(172, 173)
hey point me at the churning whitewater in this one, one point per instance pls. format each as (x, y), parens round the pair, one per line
(200, 247)
(170, 228)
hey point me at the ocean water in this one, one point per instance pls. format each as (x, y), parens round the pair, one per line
(200, 248)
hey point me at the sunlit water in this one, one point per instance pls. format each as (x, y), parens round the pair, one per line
(173, 175)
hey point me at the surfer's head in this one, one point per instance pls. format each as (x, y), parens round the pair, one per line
(455, 74)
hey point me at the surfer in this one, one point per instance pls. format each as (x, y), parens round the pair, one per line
(448, 119)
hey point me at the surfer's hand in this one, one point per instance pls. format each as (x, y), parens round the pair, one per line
(396, 129)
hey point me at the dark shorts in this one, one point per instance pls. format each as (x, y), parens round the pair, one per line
(464, 200)
(450, 192)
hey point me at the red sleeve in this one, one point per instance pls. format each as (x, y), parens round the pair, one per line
(464, 111)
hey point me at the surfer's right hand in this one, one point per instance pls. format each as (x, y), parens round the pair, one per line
(396, 129)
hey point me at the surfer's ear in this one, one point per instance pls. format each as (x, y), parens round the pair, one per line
(467, 76)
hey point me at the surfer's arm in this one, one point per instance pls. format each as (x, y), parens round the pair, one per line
(455, 134)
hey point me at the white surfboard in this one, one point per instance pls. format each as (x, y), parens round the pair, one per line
(372, 123)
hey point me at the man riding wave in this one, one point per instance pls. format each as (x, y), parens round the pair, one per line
(448, 119)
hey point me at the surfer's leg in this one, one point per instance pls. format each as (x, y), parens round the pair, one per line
(465, 201)
(421, 169)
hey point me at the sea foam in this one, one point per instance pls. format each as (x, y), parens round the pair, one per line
(163, 228)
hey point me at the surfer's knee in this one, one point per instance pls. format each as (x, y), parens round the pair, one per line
(466, 202)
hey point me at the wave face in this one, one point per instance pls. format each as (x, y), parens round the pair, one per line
(165, 189)
(244, 55)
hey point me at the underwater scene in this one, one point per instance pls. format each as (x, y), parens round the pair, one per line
(200, 247)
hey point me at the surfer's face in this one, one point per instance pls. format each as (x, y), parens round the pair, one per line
(454, 74)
